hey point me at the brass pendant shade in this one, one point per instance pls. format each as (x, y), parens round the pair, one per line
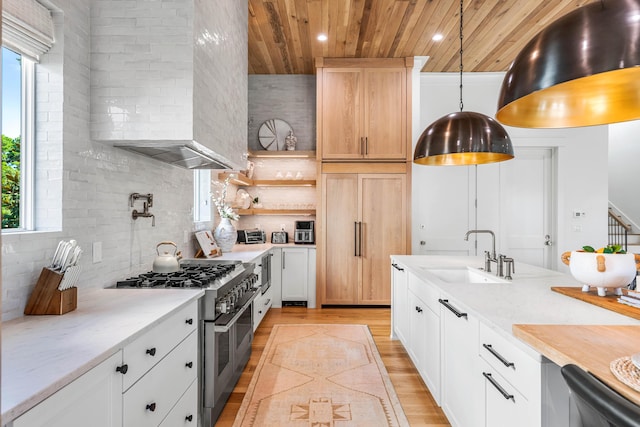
(581, 70)
(463, 138)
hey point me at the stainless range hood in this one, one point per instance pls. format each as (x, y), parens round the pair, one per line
(185, 154)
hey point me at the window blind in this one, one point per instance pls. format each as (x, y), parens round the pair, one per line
(27, 27)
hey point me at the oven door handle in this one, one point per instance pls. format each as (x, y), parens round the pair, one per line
(225, 328)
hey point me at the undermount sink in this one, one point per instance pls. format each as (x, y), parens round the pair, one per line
(464, 275)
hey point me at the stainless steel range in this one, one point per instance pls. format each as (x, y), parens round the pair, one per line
(226, 321)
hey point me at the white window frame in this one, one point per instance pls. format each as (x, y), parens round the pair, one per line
(202, 195)
(27, 145)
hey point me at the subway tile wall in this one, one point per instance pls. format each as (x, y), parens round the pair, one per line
(89, 182)
(171, 70)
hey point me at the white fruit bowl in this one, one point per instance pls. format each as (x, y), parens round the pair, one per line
(602, 270)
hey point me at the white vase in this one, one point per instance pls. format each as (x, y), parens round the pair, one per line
(225, 235)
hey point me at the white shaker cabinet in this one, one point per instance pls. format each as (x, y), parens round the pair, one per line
(462, 385)
(424, 332)
(295, 266)
(161, 366)
(399, 303)
(95, 396)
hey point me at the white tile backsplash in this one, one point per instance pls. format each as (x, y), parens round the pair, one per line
(86, 184)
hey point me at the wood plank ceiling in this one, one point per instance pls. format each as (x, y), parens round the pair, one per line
(282, 33)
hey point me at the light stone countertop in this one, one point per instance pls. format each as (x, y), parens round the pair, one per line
(42, 354)
(527, 299)
(247, 253)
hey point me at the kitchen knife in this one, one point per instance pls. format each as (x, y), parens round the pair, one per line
(56, 255)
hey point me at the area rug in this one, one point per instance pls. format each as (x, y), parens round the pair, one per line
(320, 376)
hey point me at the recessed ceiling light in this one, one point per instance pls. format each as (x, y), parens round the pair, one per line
(322, 37)
(437, 37)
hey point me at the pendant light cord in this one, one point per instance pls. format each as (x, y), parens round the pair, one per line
(461, 67)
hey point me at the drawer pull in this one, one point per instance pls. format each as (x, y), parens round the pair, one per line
(418, 309)
(122, 369)
(151, 351)
(498, 387)
(445, 302)
(189, 364)
(396, 267)
(498, 356)
(189, 321)
(151, 407)
(188, 418)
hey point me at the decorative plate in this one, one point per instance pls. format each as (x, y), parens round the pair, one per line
(272, 134)
(242, 200)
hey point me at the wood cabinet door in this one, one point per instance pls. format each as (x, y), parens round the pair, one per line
(341, 110)
(383, 205)
(341, 265)
(385, 113)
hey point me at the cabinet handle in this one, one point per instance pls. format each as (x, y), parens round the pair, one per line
(418, 309)
(189, 365)
(499, 387)
(188, 418)
(498, 356)
(151, 351)
(394, 265)
(360, 240)
(122, 369)
(366, 145)
(445, 302)
(267, 302)
(151, 407)
(355, 238)
(284, 257)
(189, 321)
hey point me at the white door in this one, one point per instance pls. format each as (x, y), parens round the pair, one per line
(527, 207)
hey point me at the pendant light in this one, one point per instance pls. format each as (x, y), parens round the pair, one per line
(581, 70)
(464, 137)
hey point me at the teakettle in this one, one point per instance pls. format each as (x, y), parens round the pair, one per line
(167, 262)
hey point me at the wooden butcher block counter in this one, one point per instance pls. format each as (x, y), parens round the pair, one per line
(592, 347)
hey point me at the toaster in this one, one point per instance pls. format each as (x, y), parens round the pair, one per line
(251, 236)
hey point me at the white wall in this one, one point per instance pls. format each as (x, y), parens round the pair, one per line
(624, 169)
(443, 196)
(95, 181)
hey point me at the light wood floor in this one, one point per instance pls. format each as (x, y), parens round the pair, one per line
(418, 405)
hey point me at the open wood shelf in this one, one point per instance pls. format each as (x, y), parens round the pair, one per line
(238, 178)
(255, 211)
(288, 154)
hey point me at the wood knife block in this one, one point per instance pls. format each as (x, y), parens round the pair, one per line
(46, 298)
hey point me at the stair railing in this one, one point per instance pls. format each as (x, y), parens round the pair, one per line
(618, 230)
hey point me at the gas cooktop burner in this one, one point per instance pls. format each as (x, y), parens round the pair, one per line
(189, 276)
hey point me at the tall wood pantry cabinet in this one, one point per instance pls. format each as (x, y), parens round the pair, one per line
(365, 225)
(364, 174)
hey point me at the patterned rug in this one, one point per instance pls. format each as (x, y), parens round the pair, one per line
(320, 376)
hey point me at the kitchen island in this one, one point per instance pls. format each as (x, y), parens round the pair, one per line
(43, 354)
(460, 335)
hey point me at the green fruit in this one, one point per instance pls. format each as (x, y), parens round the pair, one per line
(588, 249)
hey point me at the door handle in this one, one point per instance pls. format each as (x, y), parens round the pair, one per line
(547, 240)
(355, 238)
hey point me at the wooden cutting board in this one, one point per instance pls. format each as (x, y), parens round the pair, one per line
(610, 302)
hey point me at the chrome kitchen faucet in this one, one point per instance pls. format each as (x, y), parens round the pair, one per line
(488, 258)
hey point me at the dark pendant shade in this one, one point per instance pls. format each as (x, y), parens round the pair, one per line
(463, 138)
(581, 70)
